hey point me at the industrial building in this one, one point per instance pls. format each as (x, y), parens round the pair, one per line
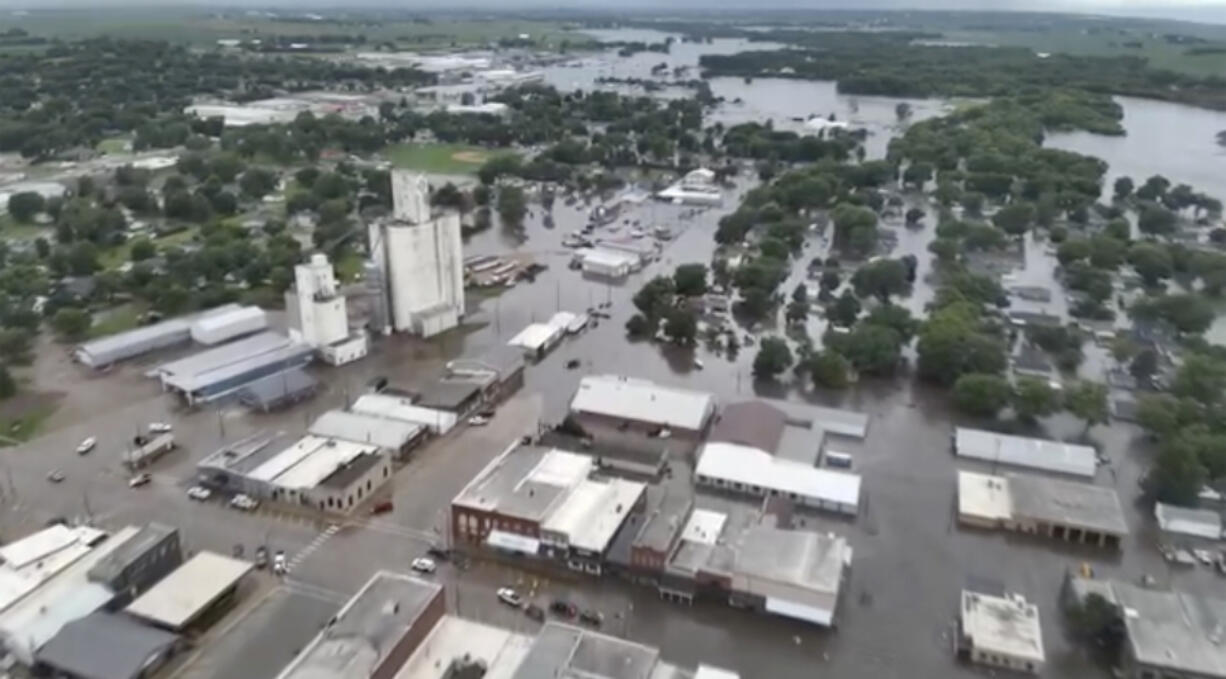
(106, 646)
(402, 408)
(1182, 523)
(1000, 631)
(1019, 451)
(419, 260)
(625, 404)
(499, 371)
(206, 582)
(142, 560)
(106, 351)
(748, 470)
(460, 396)
(1066, 510)
(538, 339)
(318, 316)
(227, 325)
(278, 391)
(226, 369)
(328, 474)
(750, 562)
(1167, 633)
(607, 263)
(35, 618)
(697, 187)
(395, 436)
(374, 633)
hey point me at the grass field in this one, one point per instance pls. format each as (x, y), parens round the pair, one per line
(11, 230)
(439, 158)
(196, 27)
(1154, 48)
(22, 417)
(119, 319)
(113, 145)
(349, 266)
(116, 256)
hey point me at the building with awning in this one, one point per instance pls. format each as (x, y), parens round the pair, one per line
(207, 580)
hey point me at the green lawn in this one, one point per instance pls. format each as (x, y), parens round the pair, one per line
(116, 256)
(113, 145)
(14, 430)
(439, 158)
(11, 230)
(349, 266)
(119, 319)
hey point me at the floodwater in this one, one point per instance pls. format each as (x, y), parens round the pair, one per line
(1176, 141)
(786, 103)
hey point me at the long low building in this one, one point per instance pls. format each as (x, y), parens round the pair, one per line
(395, 436)
(1066, 510)
(631, 404)
(223, 370)
(744, 469)
(439, 422)
(1020, 451)
(111, 349)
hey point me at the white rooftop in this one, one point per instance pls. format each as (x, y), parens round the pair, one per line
(984, 497)
(711, 672)
(591, 514)
(188, 590)
(537, 336)
(500, 649)
(396, 408)
(704, 526)
(605, 257)
(363, 428)
(309, 461)
(561, 468)
(1201, 523)
(36, 558)
(735, 463)
(1020, 451)
(1007, 626)
(643, 401)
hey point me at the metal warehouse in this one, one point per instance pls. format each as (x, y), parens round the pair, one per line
(1019, 451)
(396, 436)
(743, 469)
(217, 372)
(108, 350)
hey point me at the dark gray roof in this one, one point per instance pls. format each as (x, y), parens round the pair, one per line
(104, 646)
(273, 388)
(566, 651)
(132, 549)
(447, 394)
(344, 476)
(752, 423)
(667, 511)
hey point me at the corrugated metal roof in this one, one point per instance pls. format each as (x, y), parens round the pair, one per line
(362, 428)
(1201, 523)
(1019, 451)
(104, 646)
(192, 367)
(381, 405)
(643, 401)
(752, 467)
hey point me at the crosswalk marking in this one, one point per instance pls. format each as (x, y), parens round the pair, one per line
(310, 549)
(400, 531)
(315, 591)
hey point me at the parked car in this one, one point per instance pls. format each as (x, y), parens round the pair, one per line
(591, 617)
(382, 507)
(160, 427)
(478, 420)
(261, 557)
(244, 502)
(87, 445)
(279, 564)
(563, 608)
(510, 597)
(199, 493)
(535, 612)
(139, 480)
(423, 565)
(56, 476)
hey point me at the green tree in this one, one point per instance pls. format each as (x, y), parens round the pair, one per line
(1123, 188)
(845, 310)
(142, 249)
(257, 183)
(1033, 398)
(1201, 378)
(690, 280)
(1087, 401)
(655, 297)
(640, 327)
(881, 278)
(952, 343)
(872, 349)
(71, 323)
(512, 206)
(773, 358)
(1098, 621)
(829, 369)
(1156, 220)
(1159, 414)
(1144, 364)
(681, 326)
(896, 318)
(1189, 313)
(1177, 475)
(24, 206)
(1106, 252)
(1014, 219)
(8, 386)
(981, 395)
(798, 308)
(1073, 250)
(1151, 262)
